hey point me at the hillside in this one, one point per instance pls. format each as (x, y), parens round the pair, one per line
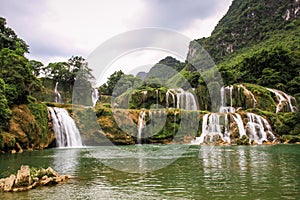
(248, 23)
(257, 42)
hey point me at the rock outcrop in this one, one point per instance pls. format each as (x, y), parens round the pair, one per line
(28, 178)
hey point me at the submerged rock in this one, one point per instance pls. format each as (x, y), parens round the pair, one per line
(28, 178)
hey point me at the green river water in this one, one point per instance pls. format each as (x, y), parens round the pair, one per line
(164, 172)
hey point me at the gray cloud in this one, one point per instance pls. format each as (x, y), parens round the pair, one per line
(178, 14)
(24, 17)
(27, 18)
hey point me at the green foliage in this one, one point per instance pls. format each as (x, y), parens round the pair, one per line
(17, 75)
(68, 72)
(5, 112)
(40, 112)
(287, 123)
(36, 67)
(118, 83)
(74, 75)
(248, 23)
(271, 65)
(9, 39)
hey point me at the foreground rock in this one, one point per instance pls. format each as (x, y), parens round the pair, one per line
(28, 178)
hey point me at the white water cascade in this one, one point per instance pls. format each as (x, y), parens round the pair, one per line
(57, 98)
(238, 120)
(141, 125)
(184, 99)
(257, 128)
(224, 107)
(65, 129)
(283, 99)
(170, 92)
(95, 96)
(210, 128)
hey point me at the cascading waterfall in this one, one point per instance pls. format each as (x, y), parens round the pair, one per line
(283, 99)
(95, 96)
(184, 99)
(257, 128)
(238, 120)
(210, 127)
(226, 136)
(141, 125)
(65, 129)
(200, 140)
(224, 107)
(57, 98)
(170, 92)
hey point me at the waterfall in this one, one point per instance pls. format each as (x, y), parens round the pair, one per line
(57, 94)
(95, 96)
(141, 125)
(257, 128)
(224, 107)
(65, 129)
(210, 127)
(170, 92)
(184, 99)
(238, 120)
(226, 137)
(283, 99)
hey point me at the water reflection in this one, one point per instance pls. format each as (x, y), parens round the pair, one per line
(232, 172)
(66, 159)
(139, 158)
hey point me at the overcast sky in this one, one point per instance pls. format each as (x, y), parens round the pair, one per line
(57, 29)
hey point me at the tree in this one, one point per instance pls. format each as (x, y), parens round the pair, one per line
(17, 75)
(108, 87)
(68, 72)
(119, 83)
(9, 39)
(36, 67)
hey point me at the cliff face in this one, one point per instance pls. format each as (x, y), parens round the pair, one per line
(248, 23)
(29, 128)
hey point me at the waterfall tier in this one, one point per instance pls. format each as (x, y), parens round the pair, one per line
(184, 99)
(65, 129)
(285, 101)
(225, 126)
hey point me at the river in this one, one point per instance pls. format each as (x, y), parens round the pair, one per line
(165, 172)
